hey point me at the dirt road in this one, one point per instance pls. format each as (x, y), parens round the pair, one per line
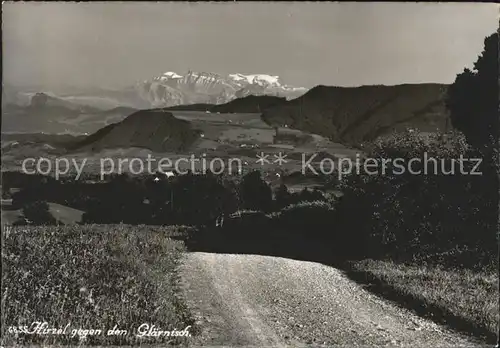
(252, 300)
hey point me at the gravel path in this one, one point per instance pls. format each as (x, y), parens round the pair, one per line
(253, 300)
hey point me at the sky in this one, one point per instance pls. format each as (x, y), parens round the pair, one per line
(115, 44)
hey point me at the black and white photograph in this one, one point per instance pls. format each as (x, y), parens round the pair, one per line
(250, 174)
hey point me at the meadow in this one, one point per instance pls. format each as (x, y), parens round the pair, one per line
(84, 280)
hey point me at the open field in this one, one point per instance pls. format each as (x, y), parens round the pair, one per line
(91, 277)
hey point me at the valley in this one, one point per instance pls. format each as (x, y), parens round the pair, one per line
(285, 175)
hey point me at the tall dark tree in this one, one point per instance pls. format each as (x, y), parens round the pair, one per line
(473, 98)
(473, 101)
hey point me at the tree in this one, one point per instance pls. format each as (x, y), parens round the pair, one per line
(474, 109)
(282, 196)
(255, 193)
(198, 199)
(473, 98)
(37, 213)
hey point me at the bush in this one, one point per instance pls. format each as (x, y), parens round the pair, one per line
(312, 219)
(254, 222)
(284, 198)
(412, 143)
(37, 213)
(404, 215)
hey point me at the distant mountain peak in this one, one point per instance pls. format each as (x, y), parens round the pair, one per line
(257, 78)
(171, 75)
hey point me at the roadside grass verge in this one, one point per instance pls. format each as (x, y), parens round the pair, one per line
(461, 298)
(92, 277)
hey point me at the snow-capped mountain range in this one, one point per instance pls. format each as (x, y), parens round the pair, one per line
(171, 88)
(168, 89)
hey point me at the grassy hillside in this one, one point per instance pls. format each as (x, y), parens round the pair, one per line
(191, 107)
(357, 114)
(464, 299)
(153, 129)
(249, 104)
(91, 277)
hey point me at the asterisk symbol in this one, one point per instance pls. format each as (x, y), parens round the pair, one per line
(280, 158)
(262, 158)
